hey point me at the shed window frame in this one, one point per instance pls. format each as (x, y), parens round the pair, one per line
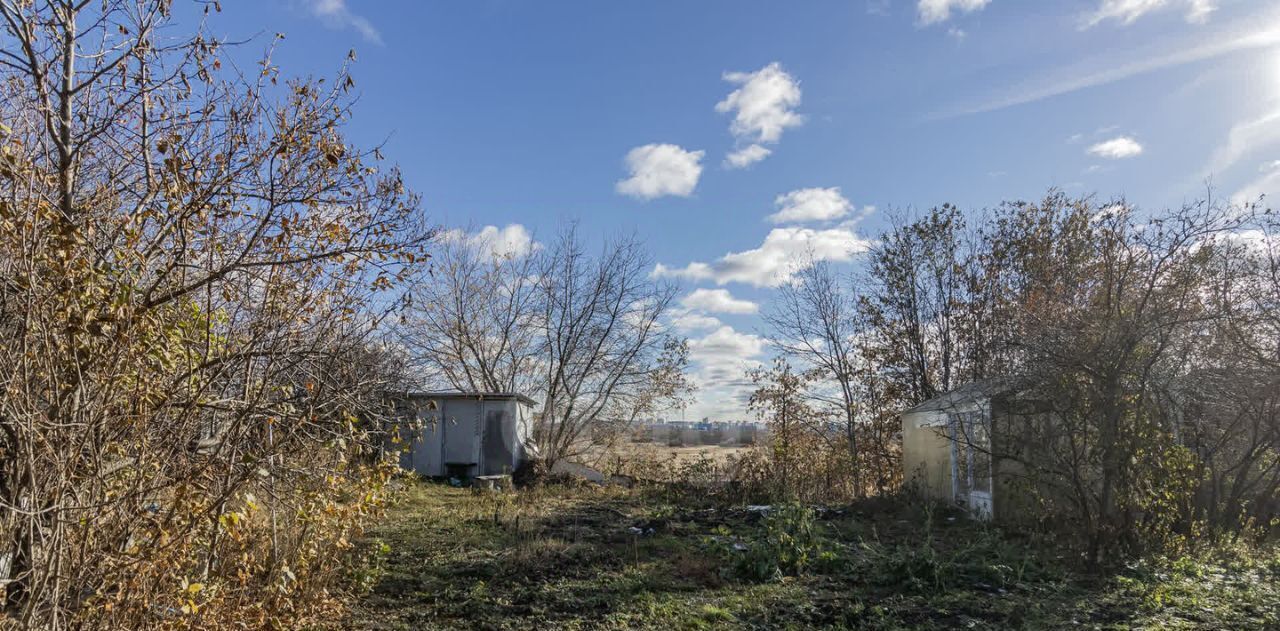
(970, 436)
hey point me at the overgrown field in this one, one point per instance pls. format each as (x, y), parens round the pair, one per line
(589, 557)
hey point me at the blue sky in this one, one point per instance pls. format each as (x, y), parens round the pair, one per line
(624, 116)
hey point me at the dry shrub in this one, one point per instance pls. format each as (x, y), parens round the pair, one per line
(193, 268)
(260, 564)
(822, 475)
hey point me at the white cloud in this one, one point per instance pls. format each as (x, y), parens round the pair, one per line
(811, 204)
(1116, 148)
(514, 240)
(1128, 11)
(1256, 241)
(726, 343)
(718, 301)
(661, 169)
(763, 104)
(935, 11)
(957, 34)
(721, 360)
(687, 321)
(336, 15)
(1107, 212)
(746, 156)
(773, 263)
(1270, 165)
(763, 107)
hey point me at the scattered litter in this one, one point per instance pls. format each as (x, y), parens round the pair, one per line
(648, 526)
(759, 508)
(740, 547)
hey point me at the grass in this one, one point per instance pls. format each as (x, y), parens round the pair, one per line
(567, 557)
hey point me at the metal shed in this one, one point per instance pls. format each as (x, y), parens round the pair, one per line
(466, 434)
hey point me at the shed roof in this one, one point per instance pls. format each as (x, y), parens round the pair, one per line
(479, 396)
(969, 392)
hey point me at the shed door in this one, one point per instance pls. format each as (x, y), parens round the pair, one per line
(971, 462)
(496, 457)
(427, 450)
(461, 424)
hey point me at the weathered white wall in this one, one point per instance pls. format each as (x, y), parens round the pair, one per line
(926, 453)
(459, 431)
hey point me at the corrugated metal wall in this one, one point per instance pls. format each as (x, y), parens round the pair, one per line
(467, 436)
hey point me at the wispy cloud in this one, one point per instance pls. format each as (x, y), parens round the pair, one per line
(1249, 139)
(1250, 33)
(1198, 11)
(878, 7)
(1266, 184)
(1244, 139)
(935, 11)
(336, 15)
(1129, 11)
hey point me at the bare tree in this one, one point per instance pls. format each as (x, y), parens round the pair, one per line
(780, 399)
(605, 358)
(474, 323)
(191, 259)
(913, 290)
(815, 319)
(579, 332)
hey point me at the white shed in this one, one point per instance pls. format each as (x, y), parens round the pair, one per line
(466, 434)
(947, 446)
